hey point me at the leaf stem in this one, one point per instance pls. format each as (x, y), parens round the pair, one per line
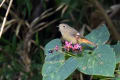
(81, 76)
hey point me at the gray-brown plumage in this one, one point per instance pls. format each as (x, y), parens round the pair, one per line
(72, 35)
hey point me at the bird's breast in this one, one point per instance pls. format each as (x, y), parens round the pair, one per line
(69, 38)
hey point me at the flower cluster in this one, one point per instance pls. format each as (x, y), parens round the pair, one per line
(68, 46)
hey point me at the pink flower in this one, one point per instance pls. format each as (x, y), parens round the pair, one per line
(77, 47)
(68, 45)
(56, 48)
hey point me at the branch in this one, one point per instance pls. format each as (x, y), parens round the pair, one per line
(11, 12)
(2, 3)
(45, 14)
(47, 24)
(5, 18)
(81, 76)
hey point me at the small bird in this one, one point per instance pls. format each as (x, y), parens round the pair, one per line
(72, 35)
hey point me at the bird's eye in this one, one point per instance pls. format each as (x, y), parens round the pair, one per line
(63, 26)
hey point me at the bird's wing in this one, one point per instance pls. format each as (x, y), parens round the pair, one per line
(76, 34)
(73, 32)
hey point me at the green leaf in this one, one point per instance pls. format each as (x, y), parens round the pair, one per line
(29, 6)
(100, 62)
(67, 68)
(14, 43)
(52, 61)
(55, 66)
(116, 48)
(117, 78)
(99, 36)
(60, 72)
(51, 45)
(5, 41)
(37, 38)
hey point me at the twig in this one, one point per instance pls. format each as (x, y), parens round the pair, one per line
(37, 45)
(7, 27)
(10, 22)
(81, 76)
(41, 18)
(2, 3)
(82, 30)
(36, 20)
(18, 28)
(45, 12)
(60, 7)
(91, 77)
(64, 9)
(47, 24)
(114, 10)
(11, 12)
(5, 18)
(39, 25)
(27, 24)
(89, 28)
(108, 20)
(72, 17)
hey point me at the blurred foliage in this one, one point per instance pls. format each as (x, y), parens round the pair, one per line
(35, 21)
(24, 7)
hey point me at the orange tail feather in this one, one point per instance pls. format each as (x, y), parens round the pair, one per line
(86, 41)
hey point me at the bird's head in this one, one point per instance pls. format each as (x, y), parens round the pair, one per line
(63, 27)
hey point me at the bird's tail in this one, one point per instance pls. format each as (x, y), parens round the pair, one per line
(87, 42)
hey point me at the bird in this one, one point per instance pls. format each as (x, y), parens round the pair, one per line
(72, 35)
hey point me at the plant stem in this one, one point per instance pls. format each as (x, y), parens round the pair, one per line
(91, 77)
(5, 18)
(2, 3)
(81, 76)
